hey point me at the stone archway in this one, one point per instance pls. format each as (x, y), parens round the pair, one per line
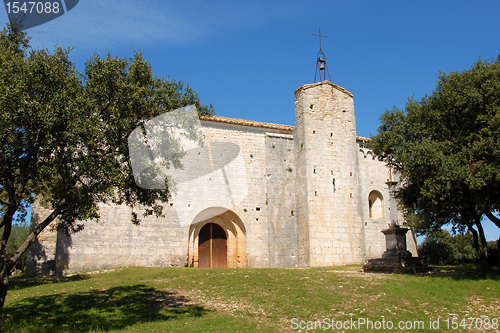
(234, 230)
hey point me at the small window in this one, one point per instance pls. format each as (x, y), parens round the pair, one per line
(375, 205)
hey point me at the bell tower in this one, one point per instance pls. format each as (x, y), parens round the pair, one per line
(321, 66)
(327, 181)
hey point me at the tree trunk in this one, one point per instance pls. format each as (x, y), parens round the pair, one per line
(4, 283)
(493, 218)
(475, 238)
(498, 251)
(496, 221)
(6, 266)
(484, 245)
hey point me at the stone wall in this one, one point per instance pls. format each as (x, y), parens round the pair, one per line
(375, 176)
(261, 169)
(326, 146)
(287, 197)
(114, 241)
(281, 222)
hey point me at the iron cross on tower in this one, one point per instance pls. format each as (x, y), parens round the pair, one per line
(321, 61)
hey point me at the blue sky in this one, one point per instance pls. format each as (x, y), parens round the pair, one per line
(247, 57)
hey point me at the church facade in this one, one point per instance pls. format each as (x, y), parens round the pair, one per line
(307, 195)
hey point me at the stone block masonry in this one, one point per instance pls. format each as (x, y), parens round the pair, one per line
(312, 194)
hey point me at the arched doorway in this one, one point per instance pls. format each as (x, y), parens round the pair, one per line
(228, 236)
(212, 246)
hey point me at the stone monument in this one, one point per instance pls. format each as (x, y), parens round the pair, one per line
(396, 259)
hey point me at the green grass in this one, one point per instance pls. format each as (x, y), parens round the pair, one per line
(242, 300)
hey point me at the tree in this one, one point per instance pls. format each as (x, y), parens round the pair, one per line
(436, 249)
(441, 248)
(18, 234)
(63, 135)
(446, 148)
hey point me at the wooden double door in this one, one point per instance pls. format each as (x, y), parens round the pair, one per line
(212, 246)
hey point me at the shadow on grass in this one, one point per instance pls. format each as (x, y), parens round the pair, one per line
(467, 272)
(114, 308)
(18, 283)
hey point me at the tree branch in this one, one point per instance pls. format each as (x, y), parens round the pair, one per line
(5, 203)
(475, 238)
(493, 218)
(7, 225)
(34, 233)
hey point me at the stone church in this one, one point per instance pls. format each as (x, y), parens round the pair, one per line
(307, 195)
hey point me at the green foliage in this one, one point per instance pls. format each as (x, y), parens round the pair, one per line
(446, 148)
(441, 248)
(63, 134)
(17, 237)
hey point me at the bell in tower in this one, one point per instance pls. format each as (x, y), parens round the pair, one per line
(321, 66)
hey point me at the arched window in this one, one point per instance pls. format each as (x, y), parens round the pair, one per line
(375, 204)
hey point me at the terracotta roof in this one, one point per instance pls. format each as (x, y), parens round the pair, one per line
(252, 123)
(361, 138)
(243, 122)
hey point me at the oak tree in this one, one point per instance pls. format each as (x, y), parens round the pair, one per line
(63, 135)
(446, 148)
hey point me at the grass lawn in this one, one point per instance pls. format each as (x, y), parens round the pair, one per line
(242, 300)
